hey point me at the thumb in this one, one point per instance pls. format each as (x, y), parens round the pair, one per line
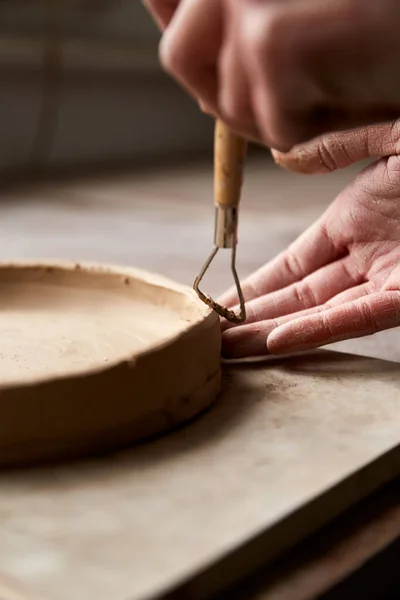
(339, 150)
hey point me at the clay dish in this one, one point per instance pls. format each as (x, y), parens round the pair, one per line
(94, 358)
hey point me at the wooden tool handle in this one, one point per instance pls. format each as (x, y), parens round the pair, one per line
(229, 155)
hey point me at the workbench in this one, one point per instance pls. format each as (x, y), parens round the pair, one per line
(65, 530)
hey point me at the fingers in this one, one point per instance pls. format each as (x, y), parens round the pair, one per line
(306, 80)
(234, 97)
(314, 290)
(162, 11)
(190, 48)
(354, 293)
(361, 317)
(311, 251)
(340, 150)
(286, 94)
(251, 339)
(283, 72)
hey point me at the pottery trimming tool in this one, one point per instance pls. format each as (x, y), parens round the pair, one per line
(229, 156)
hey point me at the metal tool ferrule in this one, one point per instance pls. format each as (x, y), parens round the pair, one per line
(226, 224)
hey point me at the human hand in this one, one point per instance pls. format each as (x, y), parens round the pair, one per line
(282, 72)
(341, 278)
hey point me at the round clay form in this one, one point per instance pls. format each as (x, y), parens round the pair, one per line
(96, 358)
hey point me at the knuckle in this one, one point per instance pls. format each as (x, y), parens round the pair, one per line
(172, 56)
(326, 155)
(394, 305)
(293, 265)
(232, 110)
(348, 273)
(251, 314)
(326, 324)
(305, 295)
(386, 310)
(236, 118)
(368, 318)
(265, 35)
(269, 46)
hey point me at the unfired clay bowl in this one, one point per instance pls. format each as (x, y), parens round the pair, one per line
(94, 359)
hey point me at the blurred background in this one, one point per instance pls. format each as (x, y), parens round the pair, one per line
(104, 158)
(80, 84)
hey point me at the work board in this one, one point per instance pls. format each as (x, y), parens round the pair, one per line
(289, 445)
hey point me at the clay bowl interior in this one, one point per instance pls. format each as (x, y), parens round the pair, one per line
(96, 358)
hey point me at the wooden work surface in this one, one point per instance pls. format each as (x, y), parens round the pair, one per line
(274, 460)
(122, 526)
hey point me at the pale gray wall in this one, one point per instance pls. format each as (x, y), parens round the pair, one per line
(130, 112)
(123, 19)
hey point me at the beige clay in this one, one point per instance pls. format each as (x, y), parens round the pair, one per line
(95, 358)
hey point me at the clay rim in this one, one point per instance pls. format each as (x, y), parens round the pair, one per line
(155, 280)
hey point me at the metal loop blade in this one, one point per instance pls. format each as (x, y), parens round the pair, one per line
(223, 311)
